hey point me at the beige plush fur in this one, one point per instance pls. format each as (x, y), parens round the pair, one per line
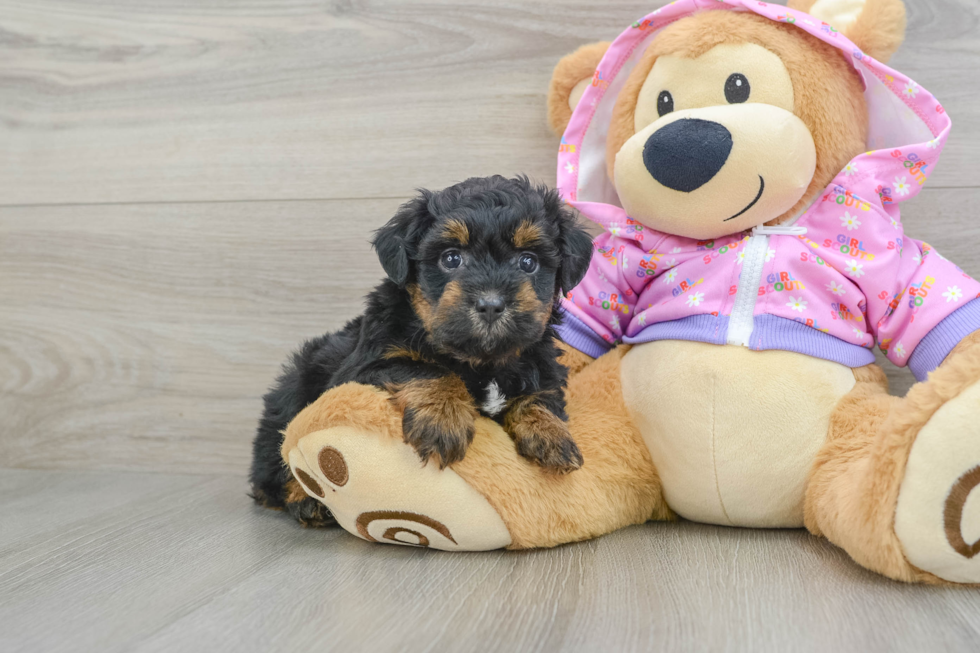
(739, 451)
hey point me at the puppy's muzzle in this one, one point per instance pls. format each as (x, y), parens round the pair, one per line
(687, 154)
(490, 307)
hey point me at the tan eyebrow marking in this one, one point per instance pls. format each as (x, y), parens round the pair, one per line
(526, 234)
(456, 230)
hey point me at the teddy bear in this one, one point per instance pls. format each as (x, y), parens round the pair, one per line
(746, 162)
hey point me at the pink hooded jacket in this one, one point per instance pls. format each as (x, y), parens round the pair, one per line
(834, 281)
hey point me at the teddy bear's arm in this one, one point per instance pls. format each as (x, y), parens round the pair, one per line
(600, 309)
(936, 308)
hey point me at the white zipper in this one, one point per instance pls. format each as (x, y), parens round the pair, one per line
(742, 320)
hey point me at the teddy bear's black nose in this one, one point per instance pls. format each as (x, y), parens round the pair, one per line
(687, 153)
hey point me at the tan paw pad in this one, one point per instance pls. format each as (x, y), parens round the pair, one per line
(937, 517)
(378, 490)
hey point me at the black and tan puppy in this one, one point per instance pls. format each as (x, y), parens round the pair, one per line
(463, 326)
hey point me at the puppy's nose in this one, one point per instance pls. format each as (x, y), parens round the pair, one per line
(687, 153)
(490, 307)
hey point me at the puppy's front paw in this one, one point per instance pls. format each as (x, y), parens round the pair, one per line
(438, 418)
(445, 435)
(305, 509)
(543, 438)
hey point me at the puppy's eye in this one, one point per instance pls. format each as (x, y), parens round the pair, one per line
(737, 88)
(665, 103)
(451, 259)
(528, 262)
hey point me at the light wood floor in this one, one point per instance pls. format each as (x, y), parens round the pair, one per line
(186, 192)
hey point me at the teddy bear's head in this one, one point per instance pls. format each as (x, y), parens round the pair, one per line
(730, 120)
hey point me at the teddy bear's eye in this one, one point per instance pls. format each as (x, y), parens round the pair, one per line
(737, 88)
(665, 103)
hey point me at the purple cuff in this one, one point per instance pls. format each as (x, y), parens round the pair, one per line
(576, 334)
(935, 347)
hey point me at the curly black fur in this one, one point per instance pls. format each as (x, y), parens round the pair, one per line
(392, 345)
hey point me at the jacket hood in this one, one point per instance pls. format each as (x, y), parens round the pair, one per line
(907, 125)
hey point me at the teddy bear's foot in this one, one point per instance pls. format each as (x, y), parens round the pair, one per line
(378, 490)
(937, 517)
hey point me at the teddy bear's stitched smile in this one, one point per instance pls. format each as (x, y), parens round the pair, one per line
(762, 187)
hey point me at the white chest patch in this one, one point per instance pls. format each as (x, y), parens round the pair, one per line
(495, 401)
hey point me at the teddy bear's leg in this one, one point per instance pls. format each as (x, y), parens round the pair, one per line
(893, 485)
(616, 486)
(346, 450)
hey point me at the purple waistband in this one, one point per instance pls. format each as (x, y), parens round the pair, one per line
(772, 332)
(769, 332)
(708, 328)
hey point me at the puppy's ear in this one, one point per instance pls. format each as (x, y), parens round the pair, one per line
(875, 26)
(569, 80)
(397, 242)
(576, 251)
(574, 243)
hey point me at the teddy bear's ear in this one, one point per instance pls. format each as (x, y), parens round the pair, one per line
(875, 26)
(568, 82)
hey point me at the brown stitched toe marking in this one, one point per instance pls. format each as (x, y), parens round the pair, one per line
(308, 481)
(395, 530)
(953, 513)
(364, 520)
(333, 466)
